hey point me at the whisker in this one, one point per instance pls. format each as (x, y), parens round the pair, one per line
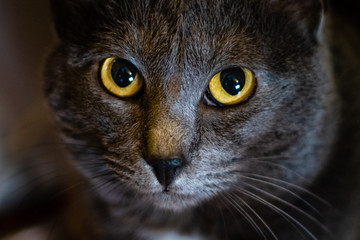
(292, 206)
(284, 189)
(105, 173)
(112, 183)
(222, 214)
(292, 185)
(271, 157)
(275, 164)
(258, 217)
(280, 211)
(245, 214)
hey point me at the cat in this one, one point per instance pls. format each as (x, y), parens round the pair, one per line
(209, 119)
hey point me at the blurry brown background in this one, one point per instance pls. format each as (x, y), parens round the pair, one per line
(29, 154)
(26, 38)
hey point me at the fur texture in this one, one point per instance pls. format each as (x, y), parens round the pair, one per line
(281, 165)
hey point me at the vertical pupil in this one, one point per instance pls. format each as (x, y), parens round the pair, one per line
(122, 74)
(232, 80)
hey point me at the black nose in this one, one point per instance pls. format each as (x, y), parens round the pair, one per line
(167, 170)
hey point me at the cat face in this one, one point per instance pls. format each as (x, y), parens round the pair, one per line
(176, 47)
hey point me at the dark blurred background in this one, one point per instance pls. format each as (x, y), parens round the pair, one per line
(26, 37)
(26, 173)
(31, 156)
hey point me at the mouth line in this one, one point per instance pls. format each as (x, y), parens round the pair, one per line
(171, 194)
(173, 201)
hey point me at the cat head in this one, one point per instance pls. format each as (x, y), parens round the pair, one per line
(173, 142)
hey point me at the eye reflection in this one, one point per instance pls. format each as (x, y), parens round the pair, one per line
(231, 86)
(120, 77)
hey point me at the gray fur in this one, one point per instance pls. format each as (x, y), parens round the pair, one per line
(295, 127)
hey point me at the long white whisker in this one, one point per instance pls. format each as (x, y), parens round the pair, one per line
(258, 217)
(280, 211)
(272, 163)
(284, 189)
(245, 214)
(292, 206)
(291, 185)
(222, 215)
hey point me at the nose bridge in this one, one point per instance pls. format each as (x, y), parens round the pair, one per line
(166, 133)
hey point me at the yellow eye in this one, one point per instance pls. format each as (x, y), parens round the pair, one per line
(120, 77)
(232, 86)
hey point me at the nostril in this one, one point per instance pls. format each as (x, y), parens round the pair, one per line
(174, 164)
(167, 170)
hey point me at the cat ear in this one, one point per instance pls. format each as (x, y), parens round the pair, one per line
(307, 13)
(74, 19)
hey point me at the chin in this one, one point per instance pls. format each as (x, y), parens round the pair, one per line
(170, 201)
